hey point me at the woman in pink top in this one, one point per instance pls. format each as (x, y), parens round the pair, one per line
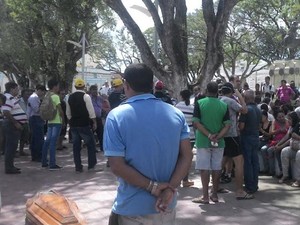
(285, 93)
(279, 130)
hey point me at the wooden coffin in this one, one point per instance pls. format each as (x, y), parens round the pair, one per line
(52, 208)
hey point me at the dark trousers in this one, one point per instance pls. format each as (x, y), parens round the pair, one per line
(99, 132)
(12, 137)
(36, 124)
(2, 138)
(250, 146)
(85, 134)
(113, 219)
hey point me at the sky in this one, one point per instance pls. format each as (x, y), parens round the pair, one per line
(145, 21)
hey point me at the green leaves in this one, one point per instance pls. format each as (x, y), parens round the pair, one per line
(35, 34)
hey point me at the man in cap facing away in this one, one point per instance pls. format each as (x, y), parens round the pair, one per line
(80, 111)
(117, 96)
(232, 148)
(159, 92)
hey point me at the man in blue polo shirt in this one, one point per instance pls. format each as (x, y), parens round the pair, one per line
(148, 148)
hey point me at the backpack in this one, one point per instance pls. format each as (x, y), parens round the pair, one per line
(47, 107)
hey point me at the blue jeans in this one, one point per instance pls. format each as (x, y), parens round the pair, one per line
(85, 134)
(250, 146)
(53, 132)
(36, 124)
(270, 155)
(12, 137)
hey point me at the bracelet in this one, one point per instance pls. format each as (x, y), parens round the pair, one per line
(150, 186)
(172, 189)
(154, 187)
(209, 135)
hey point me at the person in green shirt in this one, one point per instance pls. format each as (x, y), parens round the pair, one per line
(54, 127)
(211, 120)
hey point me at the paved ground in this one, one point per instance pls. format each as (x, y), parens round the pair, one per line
(94, 193)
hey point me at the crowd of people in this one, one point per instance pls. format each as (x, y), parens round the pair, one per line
(148, 136)
(81, 112)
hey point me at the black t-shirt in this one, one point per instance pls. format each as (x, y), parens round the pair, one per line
(296, 129)
(163, 97)
(116, 98)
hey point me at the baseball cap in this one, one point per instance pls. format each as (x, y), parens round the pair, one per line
(228, 85)
(117, 82)
(79, 82)
(159, 85)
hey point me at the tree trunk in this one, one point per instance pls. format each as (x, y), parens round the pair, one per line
(216, 26)
(172, 33)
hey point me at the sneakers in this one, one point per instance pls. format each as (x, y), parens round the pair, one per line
(56, 167)
(95, 169)
(13, 171)
(45, 165)
(79, 170)
(282, 180)
(17, 168)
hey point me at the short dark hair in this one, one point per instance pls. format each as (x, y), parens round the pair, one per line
(186, 94)
(226, 91)
(40, 87)
(52, 83)
(264, 113)
(212, 87)
(294, 117)
(93, 87)
(10, 85)
(266, 100)
(139, 77)
(265, 107)
(2, 98)
(25, 90)
(276, 112)
(231, 78)
(257, 99)
(284, 81)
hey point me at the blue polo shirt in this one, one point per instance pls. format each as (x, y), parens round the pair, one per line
(147, 133)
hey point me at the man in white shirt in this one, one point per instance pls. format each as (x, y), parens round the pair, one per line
(14, 118)
(268, 88)
(105, 88)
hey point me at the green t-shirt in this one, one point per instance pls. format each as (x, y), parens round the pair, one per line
(57, 119)
(213, 114)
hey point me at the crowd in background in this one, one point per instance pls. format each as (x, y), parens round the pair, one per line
(278, 133)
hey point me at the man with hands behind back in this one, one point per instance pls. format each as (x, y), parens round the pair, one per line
(148, 148)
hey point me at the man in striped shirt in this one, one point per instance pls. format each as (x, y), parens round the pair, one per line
(14, 119)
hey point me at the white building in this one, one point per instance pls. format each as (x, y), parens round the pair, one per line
(91, 74)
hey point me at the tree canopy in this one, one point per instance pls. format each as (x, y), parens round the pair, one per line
(35, 38)
(35, 35)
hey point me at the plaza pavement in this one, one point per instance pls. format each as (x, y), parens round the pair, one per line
(93, 192)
